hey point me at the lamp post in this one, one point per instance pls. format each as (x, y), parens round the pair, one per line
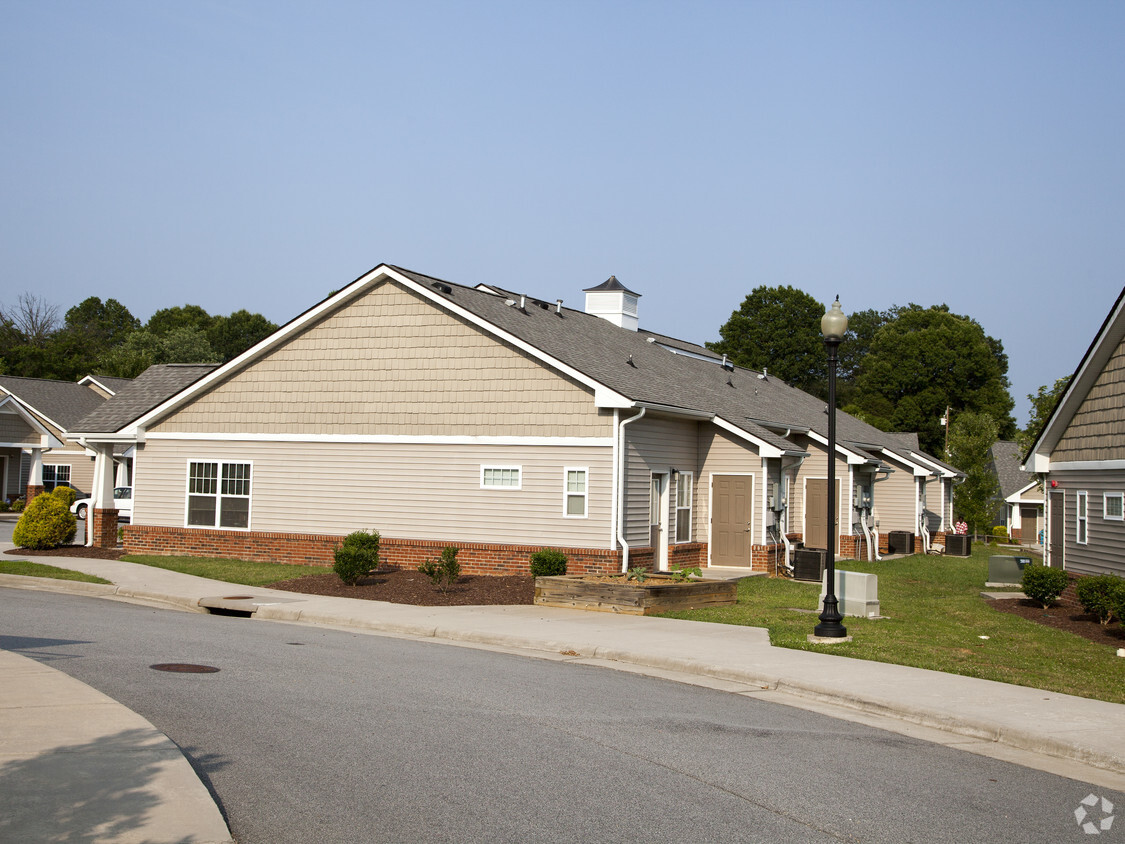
(832, 325)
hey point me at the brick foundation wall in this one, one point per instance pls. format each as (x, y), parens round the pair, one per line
(32, 491)
(105, 528)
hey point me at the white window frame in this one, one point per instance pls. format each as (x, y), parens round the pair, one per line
(493, 467)
(54, 467)
(688, 507)
(1120, 499)
(219, 495)
(568, 493)
(1082, 518)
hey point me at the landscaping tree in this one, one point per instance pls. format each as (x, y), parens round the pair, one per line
(923, 360)
(976, 500)
(778, 328)
(232, 335)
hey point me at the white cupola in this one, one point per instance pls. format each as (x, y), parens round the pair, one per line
(611, 300)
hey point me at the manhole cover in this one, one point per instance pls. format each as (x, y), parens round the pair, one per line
(183, 668)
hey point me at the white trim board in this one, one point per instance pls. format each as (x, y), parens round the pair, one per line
(389, 439)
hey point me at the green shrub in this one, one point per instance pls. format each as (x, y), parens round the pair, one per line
(442, 572)
(4, 505)
(45, 523)
(1043, 584)
(17, 505)
(1102, 596)
(547, 562)
(1000, 532)
(67, 495)
(357, 556)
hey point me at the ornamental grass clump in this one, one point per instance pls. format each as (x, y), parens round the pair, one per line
(1102, 596)
(46, 523)
(547, 562)
(357, 556)
(1043, 584)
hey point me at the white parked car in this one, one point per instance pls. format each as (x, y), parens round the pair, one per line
(122, 500)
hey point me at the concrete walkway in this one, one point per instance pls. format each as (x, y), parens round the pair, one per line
(1071, 736)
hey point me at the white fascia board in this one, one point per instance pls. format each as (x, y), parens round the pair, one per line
(850, 456)
(1017, 497)
(765, 449)
(1088, 466)
(918, 471)
(90, 379)
(379, 273)
(377, 439)
(938, 468)
(1038, 463)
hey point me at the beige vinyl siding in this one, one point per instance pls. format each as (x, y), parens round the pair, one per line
(81, 465)
(1104, 551)
(1097, 431)
(894, 498)
(394, 363)
(9, 461)
(656, 445)
(721, 453)
(816, 466)
(13, 429)
(420, 491)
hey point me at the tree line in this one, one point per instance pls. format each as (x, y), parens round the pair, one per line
(103, 338)
(908, 368)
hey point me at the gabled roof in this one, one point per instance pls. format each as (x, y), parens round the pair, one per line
(110, 383)
(1006, 462)
(1093, 363)
(152, 387)
(60, 403)
(624, 368)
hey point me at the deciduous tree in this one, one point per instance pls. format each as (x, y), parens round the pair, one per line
(976, 500)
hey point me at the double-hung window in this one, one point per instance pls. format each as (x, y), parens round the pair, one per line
(1082, 520)
(575, 494)
(55, 475)
(684, 483)
(218, 494)
(1113, 509)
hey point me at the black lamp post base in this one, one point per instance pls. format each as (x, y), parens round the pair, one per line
(830, 618)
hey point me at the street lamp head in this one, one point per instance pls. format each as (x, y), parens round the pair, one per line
(834, 323)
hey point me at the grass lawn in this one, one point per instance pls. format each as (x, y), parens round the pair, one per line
(26, 569)
(935, 619)
(232, 571)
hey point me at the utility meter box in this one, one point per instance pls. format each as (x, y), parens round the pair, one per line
(1006, 571)
(856, 592)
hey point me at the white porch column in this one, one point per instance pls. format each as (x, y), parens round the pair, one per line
(36, 476)
(102, 492)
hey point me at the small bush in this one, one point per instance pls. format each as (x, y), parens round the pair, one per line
(17, 505)
(1043, 584)
(357, 556)
(1000, 532)
(442, 572)
(4, 505)
(67, 495)
(547, 562)
(1102, 596)
(45, 523)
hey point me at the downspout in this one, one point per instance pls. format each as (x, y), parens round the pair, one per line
(623, 456)
(796, 467)
(923, 522)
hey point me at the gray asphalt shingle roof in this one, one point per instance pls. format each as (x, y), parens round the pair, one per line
(1006, 459)
(62, 402)
(148, 390)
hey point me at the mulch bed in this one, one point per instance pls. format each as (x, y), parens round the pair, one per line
(412, 587)
(72, 551)
(1066, 614)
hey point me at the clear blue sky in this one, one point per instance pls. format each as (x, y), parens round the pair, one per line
(261, 154)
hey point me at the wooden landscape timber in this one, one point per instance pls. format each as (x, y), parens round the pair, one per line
(655, 594)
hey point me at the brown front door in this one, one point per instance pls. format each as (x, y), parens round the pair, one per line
(1058, 513)
(816, 512)
(733, 497)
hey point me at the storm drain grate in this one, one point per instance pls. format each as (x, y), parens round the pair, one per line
(183, 668)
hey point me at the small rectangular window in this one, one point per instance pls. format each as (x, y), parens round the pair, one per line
(55, 475)
(1081, 526)
(684, 484)
(574, 496)
(218, 494)
(1114, 509)
(500, 477)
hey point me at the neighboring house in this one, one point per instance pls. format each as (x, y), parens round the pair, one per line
(441, 414)
(1080, 456)
(36, 418)
(1020, 500)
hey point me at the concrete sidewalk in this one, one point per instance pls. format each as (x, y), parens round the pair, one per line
(1085, 737)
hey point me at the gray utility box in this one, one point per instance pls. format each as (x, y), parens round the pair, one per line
(1006, 571)
(809, 563)
(958, 544)
(857, 593)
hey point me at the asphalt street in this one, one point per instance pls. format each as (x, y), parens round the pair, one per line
(307, 734)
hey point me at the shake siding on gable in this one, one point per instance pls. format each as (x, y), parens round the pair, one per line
(415, 491)
(394, 363)
(14, 430)
(1102, 553)
(1097, 431)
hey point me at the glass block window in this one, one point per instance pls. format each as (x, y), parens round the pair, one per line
(1113, 507)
